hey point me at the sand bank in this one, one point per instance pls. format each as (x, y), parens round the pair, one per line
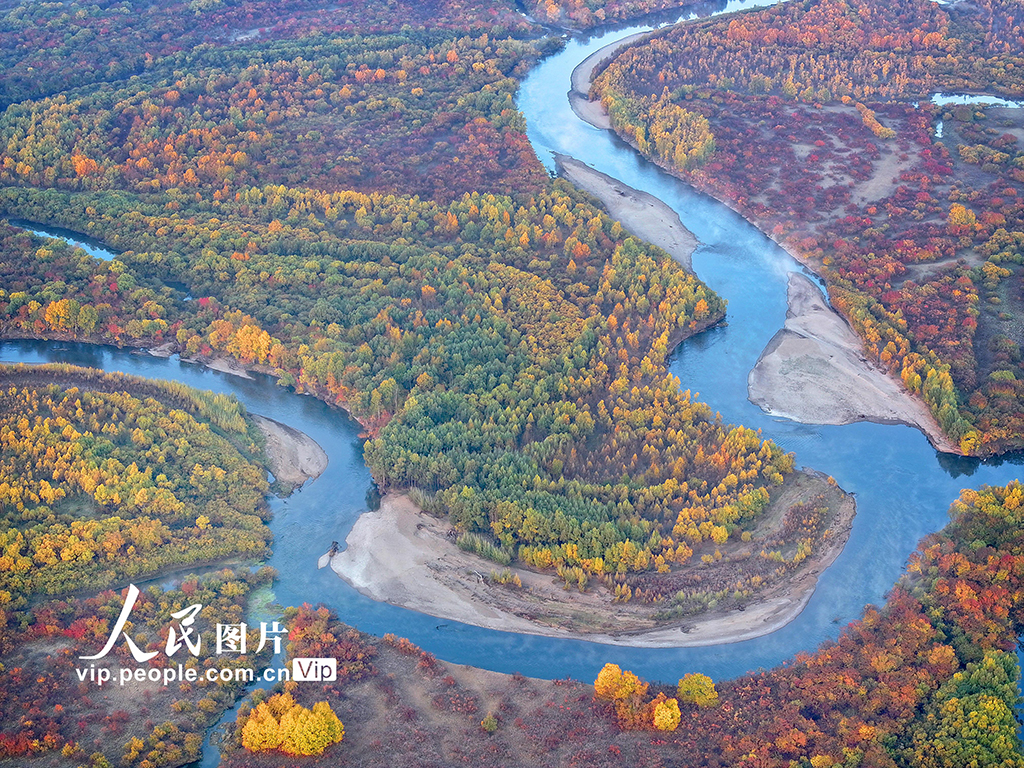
(401, 555)
(164, 350)
(813, 371)
(294, 456)
(228, 365)
(644, 215)
(579, 97)
(584, 71)
(588, 111)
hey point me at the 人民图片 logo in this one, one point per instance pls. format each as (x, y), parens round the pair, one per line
(229, 639)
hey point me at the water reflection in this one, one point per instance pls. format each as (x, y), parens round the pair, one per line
(980, 99)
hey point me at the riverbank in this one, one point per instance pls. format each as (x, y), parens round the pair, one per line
(294, 456)
(579, 96)
(813, 371)
(644, 215)
(220, 363)
(401, 555)
(583, 74)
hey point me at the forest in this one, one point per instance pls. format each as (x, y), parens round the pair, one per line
(43, 51)
(48, 712)
(481, 383)
(284, 196)
(912, 212)
(105, 479)
(584, 14)
(344, 197)
(929, 679)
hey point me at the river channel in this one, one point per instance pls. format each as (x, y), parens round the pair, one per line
(903, 486)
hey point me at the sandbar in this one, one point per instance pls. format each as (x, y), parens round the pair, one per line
(403, 556)
(294, 456)
(814, 371)
(644, 215)
(228, 365)
(583, 74)
(164, 350)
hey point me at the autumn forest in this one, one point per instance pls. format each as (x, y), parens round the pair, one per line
(343, 197)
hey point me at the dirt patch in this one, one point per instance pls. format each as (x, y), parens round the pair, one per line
(814, 371)
(923, 272)
(885, 174)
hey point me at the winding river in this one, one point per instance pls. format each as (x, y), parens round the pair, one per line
(903, 486)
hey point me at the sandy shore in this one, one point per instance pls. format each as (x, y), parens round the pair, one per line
(401, 555)
(584, 71)
(579, 97)
(294, 456)
(223, 364)
(644, 215)
(813, 371)
(164, 350)
(228, 365)
(590, 111)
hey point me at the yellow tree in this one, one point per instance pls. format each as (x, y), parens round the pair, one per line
(281, 723)
(261, 730)
(61, 315)
(698, 689)
(607, 683)
(667, 715)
